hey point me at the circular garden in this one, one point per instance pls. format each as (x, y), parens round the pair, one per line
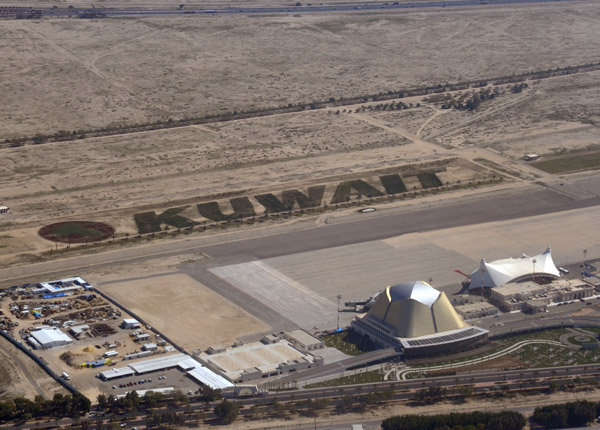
(581, 339)
(76, 231)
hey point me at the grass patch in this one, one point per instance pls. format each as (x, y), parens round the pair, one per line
(536, 356)
(76, 231)
(584, 339)
(553, 334)
(569, 164)
(360, 378)
(349, 342)
(550, 355)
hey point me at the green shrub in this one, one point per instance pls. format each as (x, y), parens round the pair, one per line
(343, 190)
(505, 420)
(314, 199)
(429, 180)
(393, 184)
(148, 222)
(271, 203)
(242, 208)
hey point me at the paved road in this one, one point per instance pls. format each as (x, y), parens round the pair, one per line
(357, 7)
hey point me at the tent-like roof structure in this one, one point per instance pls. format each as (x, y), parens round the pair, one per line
(500, 272)
(415, 309)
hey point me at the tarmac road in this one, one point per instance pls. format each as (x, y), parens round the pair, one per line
(307, 8)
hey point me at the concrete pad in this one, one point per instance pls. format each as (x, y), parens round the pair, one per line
(281, 293)
(359, 271)
(567, 233)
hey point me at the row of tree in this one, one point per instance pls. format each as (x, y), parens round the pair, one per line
(63, 135)
(22, 409)
(505, 420)
(574, 414)
(133, 402)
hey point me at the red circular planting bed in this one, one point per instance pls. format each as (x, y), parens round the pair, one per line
(76, 231)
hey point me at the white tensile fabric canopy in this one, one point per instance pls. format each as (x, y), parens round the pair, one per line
(500, 272)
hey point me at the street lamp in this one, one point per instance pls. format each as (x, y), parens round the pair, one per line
(534, 261)
(584, 255)
(339, 297)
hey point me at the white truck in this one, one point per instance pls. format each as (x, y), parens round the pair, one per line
(66, 376)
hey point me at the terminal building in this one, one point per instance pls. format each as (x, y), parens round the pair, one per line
(533, 298)
(419, 319)
(491, 275)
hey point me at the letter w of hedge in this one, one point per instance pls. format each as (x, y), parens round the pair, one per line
(290, 197)
(148, 222)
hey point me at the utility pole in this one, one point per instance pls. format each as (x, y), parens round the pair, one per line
(534, 261)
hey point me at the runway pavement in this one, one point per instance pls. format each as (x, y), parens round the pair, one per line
(285, 240)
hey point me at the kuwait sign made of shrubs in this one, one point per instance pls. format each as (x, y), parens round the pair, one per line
(242, 207)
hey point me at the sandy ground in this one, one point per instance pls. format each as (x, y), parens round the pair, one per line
(194, 316)
(131, 70)
(22, 377)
